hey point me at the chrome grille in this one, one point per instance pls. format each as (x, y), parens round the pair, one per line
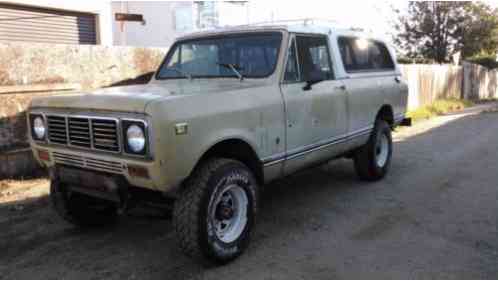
(86, 132)
(57, 132)
(105, 134)
(79, 132)
(88, 163)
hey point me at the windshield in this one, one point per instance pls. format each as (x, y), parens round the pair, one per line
(251, 55)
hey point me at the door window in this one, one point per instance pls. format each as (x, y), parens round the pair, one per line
(291, 70)
(314, 58)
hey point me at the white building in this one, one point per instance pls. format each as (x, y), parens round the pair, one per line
(164, 21)
(95, 22)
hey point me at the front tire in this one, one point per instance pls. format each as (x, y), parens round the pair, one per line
(215, 211)
(372, 161)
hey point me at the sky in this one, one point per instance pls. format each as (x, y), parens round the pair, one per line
(371, 15)
(375, 16)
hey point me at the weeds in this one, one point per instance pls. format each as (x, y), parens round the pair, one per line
(439, 107)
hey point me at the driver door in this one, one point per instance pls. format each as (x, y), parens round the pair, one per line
(315, 103)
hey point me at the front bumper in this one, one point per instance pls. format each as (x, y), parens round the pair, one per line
(95, 184)
(112, 165)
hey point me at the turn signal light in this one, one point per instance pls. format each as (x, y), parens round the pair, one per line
(44, 155)
(138, 171)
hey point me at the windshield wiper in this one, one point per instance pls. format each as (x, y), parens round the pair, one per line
(235, 68)
(186, 74)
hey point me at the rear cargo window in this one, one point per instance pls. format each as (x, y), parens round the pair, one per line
(360, 55)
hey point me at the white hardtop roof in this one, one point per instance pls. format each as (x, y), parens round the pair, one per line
(306, 26)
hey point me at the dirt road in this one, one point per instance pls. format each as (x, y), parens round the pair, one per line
(434, 216)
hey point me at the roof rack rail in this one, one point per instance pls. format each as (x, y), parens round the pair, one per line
(305, 21)
(327, 23)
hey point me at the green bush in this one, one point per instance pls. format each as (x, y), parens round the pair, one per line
(407, 60)
(488, 61)
(421, 113)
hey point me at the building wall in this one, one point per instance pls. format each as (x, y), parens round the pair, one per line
(88, 65)
(233, 13)
(164, 21)
(159, 28)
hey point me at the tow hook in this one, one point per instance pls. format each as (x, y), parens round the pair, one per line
(406, 122)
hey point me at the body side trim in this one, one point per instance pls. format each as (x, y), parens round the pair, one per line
(372, 74)
(301, 151)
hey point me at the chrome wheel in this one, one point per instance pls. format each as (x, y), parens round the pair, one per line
(382, 150)
(228, 213)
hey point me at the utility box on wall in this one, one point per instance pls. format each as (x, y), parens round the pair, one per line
(164, 21)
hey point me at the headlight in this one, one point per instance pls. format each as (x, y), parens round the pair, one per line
(38, 128)
(135, 137)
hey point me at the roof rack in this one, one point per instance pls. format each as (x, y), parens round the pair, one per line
(305, 21)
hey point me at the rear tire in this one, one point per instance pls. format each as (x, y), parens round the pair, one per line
(81, 210)
(372, 161)
(215, 212)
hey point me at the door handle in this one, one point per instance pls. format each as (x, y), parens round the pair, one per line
(342, 88)
(397, 79)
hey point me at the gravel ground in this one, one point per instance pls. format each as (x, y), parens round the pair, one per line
(434, 216)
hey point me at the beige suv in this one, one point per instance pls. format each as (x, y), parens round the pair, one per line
(227, 112)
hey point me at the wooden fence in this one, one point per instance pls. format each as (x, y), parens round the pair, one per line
(479, 82)
(428, 83)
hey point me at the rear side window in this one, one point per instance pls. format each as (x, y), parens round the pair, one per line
(361, 55)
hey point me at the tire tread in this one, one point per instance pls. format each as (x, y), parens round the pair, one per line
(364, 160)
(186, 213)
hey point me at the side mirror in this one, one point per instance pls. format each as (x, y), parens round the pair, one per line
(310, 83)
(314, 78)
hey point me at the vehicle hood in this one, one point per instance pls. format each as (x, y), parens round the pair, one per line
(136, 98)
(125, 99)
(206, 86)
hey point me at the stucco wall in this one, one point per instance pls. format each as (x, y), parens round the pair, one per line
(91, 66)
(159, 26)
(15, 159)
(28, 64)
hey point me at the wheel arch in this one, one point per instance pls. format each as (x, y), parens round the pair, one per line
(386, 113)
(238, 149)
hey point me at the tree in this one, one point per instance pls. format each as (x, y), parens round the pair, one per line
(479, 31)
(435, 30)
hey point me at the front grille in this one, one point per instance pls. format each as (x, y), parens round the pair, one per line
(57, 131)
(86, 132)
(105, 135)
(88, 163)
(79, 132)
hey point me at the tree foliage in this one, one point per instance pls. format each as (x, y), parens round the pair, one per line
(436, 30)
